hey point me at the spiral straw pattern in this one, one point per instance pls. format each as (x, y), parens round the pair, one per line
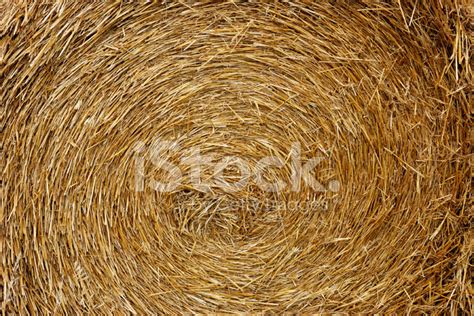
(380, 92)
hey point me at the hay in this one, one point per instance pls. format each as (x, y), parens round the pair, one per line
(380, 91)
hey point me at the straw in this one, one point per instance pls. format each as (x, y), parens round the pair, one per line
(380, 92)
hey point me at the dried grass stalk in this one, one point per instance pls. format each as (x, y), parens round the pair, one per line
(383, 89)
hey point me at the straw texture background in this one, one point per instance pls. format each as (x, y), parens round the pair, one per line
(381, 89)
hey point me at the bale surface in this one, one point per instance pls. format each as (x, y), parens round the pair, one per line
(381, 90)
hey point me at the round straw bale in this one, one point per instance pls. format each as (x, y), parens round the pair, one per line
(236, 156)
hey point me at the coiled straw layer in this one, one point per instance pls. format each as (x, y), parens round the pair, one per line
(380, 91)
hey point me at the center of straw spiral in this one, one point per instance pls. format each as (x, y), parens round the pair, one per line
(220, 217)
